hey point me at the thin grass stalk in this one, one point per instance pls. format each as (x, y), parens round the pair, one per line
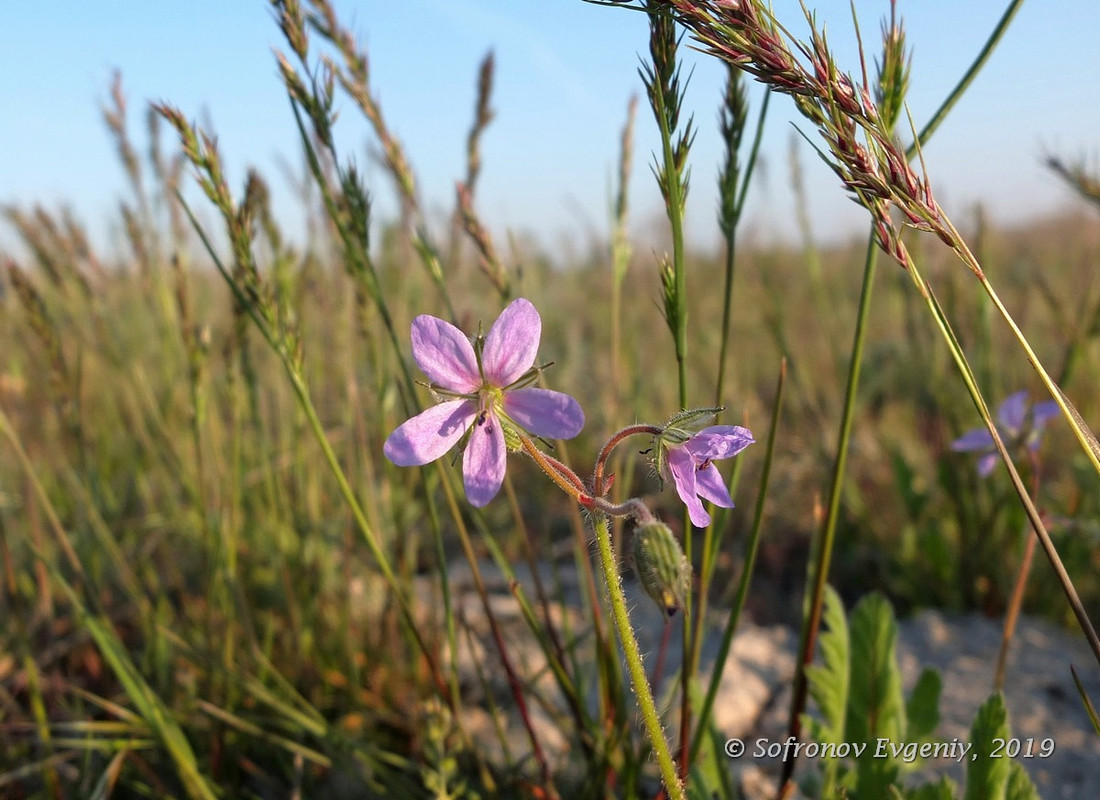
(665, 96)
(1016, 599)
(1012, 613)
(1080, 428)
(369, 535)
(655, 733)
(483, 116)
(620, 250)
(362, 265)
(614, 396)
(733, 186)
(289, 360)
(545, 631)
(98, 626)
(354, 77)
(515, 686)
(1086, 701)
(972, 72)
(42, 725)
(751, 549)
(822, 556)
(609, 674)
(737, 185)
(662, 80)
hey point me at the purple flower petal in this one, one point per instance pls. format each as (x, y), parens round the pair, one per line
(719, 441)
(483, 464)
(977, 439)
(1042, 413)
(709, 485)
(512, 342)
(1013, 413)
(543, 412)
(429, 434)
(444, 354)
(986, 464)
(682, 468)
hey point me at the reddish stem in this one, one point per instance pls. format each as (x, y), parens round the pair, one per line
(601, 460)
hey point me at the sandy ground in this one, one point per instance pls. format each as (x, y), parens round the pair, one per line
(754, 699)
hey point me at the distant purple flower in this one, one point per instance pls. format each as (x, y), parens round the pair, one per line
(1019, 423)
(687, 463)
(486, 386)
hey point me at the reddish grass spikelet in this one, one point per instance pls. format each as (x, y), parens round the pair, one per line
(875, 170)
(487, 258)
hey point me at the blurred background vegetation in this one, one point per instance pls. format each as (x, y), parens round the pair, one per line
(157, 460)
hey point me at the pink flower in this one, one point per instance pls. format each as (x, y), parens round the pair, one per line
(686, 459)
(488, 386)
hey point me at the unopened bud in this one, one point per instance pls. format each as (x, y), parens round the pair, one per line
(662, 567)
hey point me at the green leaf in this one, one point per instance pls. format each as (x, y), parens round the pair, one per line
(922, 710)
(828, 681)
(1020, 786)
(876, 708)
(944, 789)
(987, 777)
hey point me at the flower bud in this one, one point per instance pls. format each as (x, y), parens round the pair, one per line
(661, 565)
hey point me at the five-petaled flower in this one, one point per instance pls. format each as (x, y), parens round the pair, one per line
(484, 387)
(1019, 424)
(686, 458)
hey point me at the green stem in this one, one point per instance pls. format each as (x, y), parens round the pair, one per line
(306, 404)
(634, 660)
(731, 251)
(1032, 512)
(968, 77)
(823, 556)
(746, 572)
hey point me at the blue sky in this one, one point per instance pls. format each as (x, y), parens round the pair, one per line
(565, 72)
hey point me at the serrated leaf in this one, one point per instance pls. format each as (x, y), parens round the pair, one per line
(987, 777)
(1020, 786)
(944, 789)
(922, 710)
(876, 708)
(828, 681)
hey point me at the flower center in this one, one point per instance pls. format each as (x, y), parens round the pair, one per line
(489, 399)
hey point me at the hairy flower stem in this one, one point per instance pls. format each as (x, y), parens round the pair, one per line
(561, 475)
(638, 679)
(570, 483)
(599, 480)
